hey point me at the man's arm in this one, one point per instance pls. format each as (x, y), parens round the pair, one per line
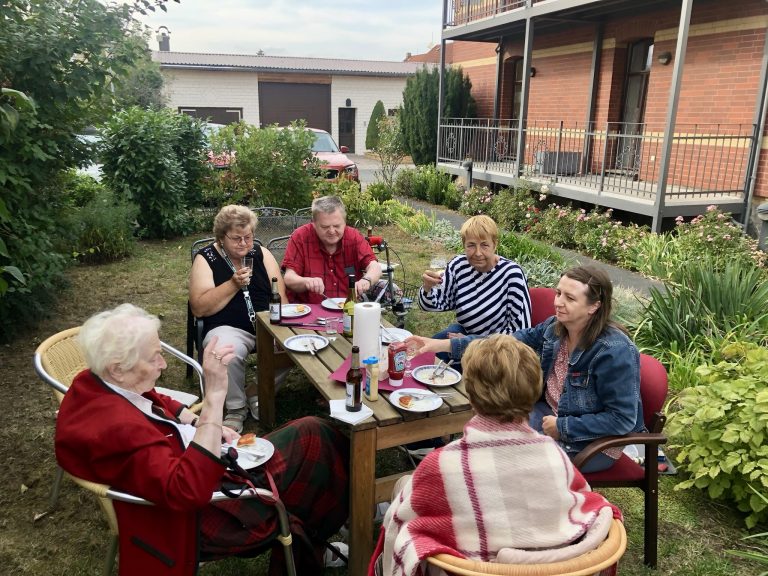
(299, 284)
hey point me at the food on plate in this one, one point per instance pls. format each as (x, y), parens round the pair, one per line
(406, 401)
(301, 308)
(442, 378)
(246, 440)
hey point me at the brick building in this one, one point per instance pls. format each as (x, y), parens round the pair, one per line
(654, 107)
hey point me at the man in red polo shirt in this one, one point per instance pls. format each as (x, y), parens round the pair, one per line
(322, 254)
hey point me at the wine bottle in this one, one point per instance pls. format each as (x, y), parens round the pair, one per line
(275, 304)
(354, 381)
(349, 308)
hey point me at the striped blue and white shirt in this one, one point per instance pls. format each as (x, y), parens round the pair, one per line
(494, 302)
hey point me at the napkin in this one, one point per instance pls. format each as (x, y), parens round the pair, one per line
(339, 411)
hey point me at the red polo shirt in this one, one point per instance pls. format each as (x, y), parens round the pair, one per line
(307, 256)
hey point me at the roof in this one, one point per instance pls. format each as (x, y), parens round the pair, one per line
(246, 62)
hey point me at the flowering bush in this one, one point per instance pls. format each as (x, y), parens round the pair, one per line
(476, 200)
(555, 224)
(510, 206)
(715, 236)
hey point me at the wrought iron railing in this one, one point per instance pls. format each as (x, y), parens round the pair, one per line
(465, 11)
(616, 157)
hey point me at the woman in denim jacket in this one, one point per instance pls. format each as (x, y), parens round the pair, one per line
(591, 367)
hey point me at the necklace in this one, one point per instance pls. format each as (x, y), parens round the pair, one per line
(244, 289)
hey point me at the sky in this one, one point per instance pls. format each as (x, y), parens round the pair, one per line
(355, 29)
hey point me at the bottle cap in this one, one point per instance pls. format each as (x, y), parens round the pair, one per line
(371, 360)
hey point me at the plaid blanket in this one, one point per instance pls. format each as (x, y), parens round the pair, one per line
(500, 486)
(310, 470)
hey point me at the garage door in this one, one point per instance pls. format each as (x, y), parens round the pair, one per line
(281, 103)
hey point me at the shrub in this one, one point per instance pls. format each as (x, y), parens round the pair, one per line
(272, 167)
(141, 165)
(379, 191)
(476, 200)
(405, 183)
(372, 132)
(714, 236)
(719, 427)
(363, 209)
(510, 206)
(555, 224)
(517, 247)
(104, 228)
(653, 255)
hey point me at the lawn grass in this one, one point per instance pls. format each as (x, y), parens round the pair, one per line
(72, 540)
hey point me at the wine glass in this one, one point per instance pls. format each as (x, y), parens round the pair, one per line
(410, 354)
(438, 264)
(247, 262)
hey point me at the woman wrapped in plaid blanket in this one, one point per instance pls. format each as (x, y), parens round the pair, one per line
(115, 428)
(501, 493)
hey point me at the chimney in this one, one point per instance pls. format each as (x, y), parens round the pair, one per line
(164, 39)
(408, 56)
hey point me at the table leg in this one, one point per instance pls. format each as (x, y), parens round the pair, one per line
(361, 499)
(265, 346)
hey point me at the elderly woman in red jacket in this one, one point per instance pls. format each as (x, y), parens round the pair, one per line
(115, 428)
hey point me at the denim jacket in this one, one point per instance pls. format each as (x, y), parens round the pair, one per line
(601, 396)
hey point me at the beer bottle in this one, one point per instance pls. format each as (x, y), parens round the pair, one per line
(354, 382)
(349, 307)
(275, 305)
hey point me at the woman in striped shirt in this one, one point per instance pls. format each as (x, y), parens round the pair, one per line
(488, 292)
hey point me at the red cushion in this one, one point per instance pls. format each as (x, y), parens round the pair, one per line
(624, 469)
(542, 304)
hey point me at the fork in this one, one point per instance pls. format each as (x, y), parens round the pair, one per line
(339, 306)
(312, 348)
(422, 395)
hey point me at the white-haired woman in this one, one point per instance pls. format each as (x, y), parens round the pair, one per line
(114, 428)
(224, 293)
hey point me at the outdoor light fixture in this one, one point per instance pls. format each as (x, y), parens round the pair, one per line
(664, 58)
(533, 71)
(349, 102)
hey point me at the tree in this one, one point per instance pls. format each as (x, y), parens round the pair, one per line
(62, 56)
(419, 113)
(390, 149)
(372, 134)
(142, 84)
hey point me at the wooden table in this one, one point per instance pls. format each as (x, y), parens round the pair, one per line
(387, 427)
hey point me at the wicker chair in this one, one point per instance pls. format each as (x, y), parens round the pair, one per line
(107, 495)
(593, 562)
(59, 359)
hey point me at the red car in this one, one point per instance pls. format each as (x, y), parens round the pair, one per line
(333, 159)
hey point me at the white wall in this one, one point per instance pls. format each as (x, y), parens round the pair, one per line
(204, 88)
(364, 91)
(220, 89)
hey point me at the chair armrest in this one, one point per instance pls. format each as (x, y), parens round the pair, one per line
(601, 444)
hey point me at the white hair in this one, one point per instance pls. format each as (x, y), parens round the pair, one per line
(114, 336)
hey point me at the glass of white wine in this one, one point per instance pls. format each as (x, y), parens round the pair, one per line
(438, 264)
(410, 354)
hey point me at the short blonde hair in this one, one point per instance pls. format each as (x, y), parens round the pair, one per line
(115, 336)
(503, 377)
(482, 227)
(233, 216)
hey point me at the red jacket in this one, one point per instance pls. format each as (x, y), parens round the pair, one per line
(102, 437)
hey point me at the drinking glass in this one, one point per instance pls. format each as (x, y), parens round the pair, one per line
(438, 264)
(247, 262)
(410, 354)
(332, 326)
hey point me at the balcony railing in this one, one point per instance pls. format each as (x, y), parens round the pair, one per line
(706, 159)
(465, 11)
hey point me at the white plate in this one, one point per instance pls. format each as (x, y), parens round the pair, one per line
(301, 342)
(253, 455)
(333, 303)
(296, 310)
(394, 335)
(421, 405)
(423, 374)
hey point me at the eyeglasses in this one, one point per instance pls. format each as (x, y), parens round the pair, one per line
(240, 239)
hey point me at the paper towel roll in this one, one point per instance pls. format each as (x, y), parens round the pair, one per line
(366, 329)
